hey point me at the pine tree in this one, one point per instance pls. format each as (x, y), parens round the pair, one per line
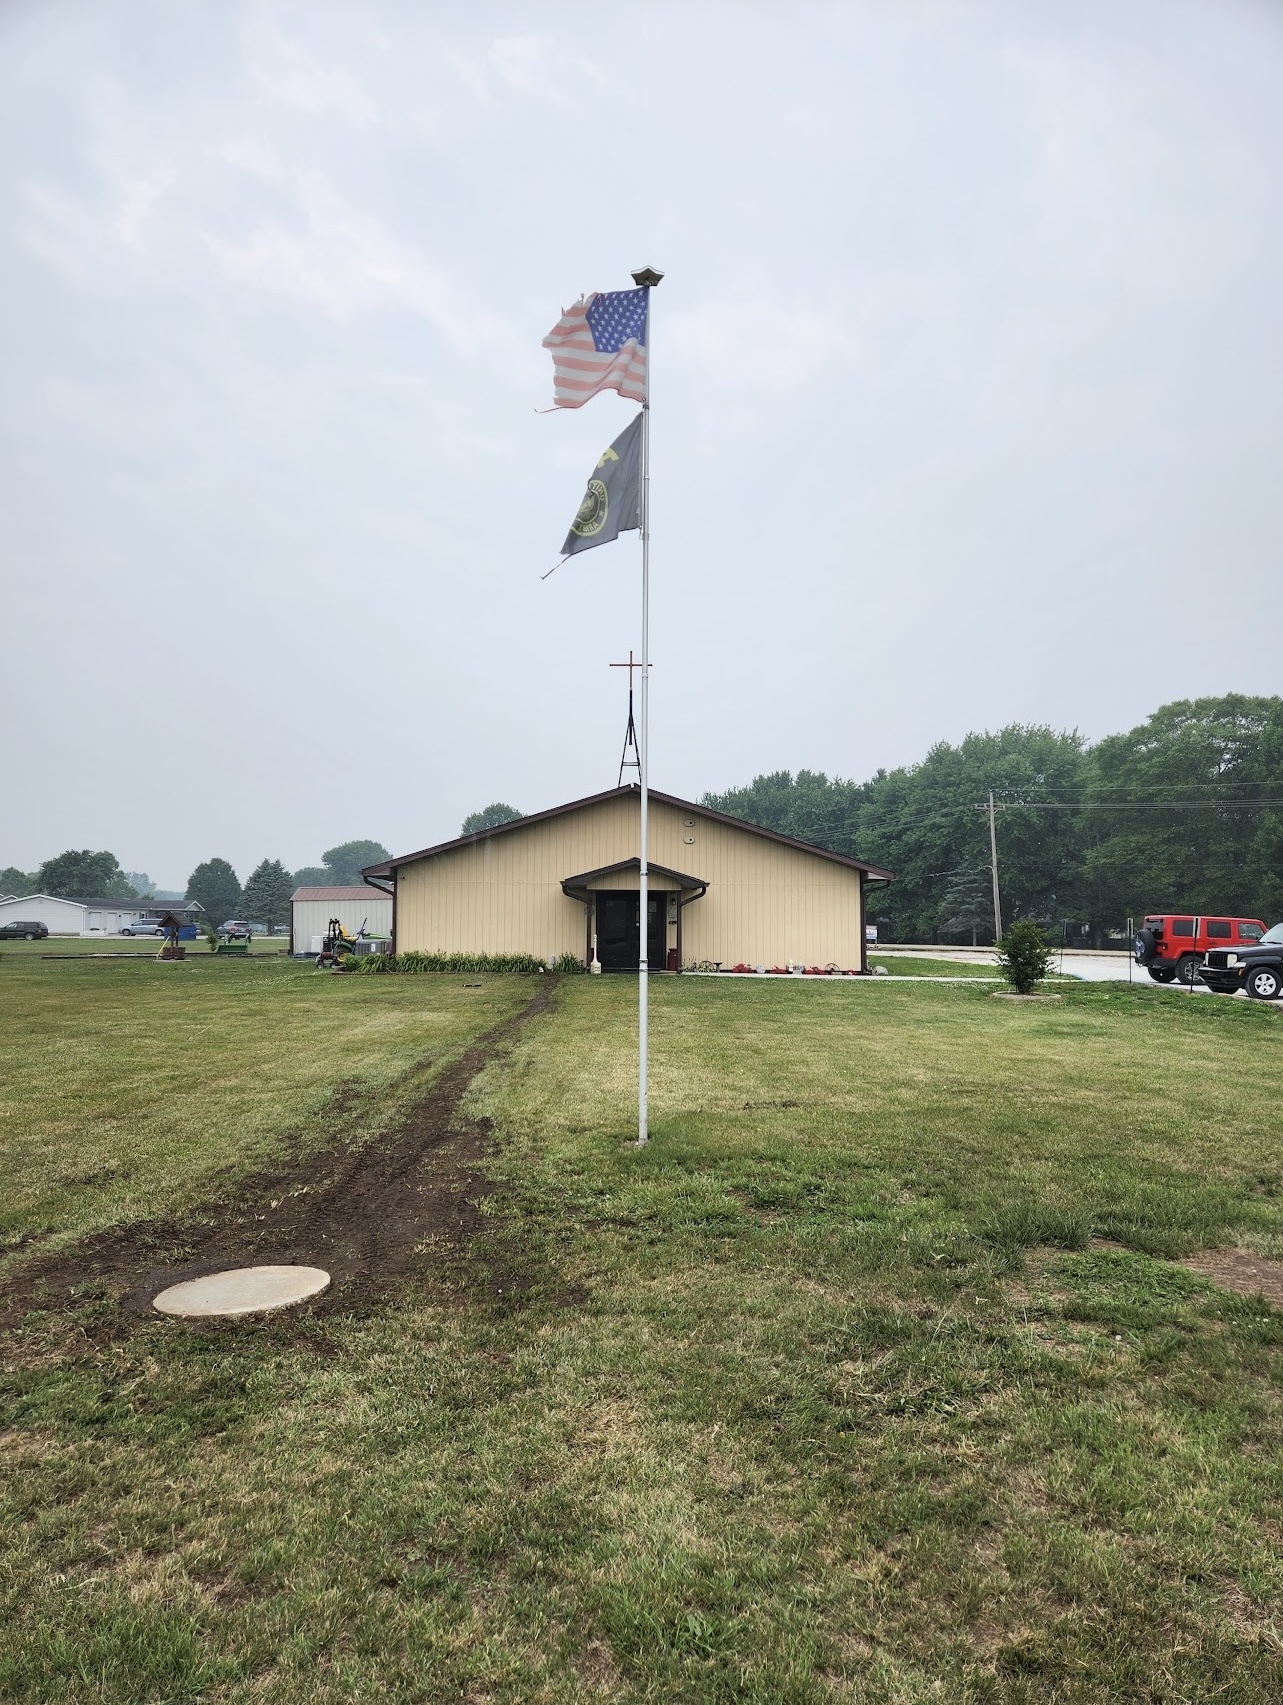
(266, 898)
(968, 904)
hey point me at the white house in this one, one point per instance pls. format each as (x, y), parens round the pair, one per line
(83, 917)
(312, 908)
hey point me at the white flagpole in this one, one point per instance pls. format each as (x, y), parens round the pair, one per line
(648, 278)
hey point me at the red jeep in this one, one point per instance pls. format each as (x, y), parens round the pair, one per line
(1171, 946)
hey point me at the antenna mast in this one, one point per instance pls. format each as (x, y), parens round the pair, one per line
(630, 733)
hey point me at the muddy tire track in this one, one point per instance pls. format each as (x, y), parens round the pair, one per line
(363, 1214)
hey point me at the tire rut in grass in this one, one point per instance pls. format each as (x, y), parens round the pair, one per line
(363, 1214)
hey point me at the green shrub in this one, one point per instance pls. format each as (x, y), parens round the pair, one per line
(570, 965)
(372, 964)
(1024, 956)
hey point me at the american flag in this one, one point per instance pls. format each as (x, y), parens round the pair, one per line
(600, 345)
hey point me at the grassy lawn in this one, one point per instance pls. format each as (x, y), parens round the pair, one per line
(910, 965)
(82, 946)
(872, 1378)
(132, 1089)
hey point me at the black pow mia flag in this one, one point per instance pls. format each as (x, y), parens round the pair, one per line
(612, 502)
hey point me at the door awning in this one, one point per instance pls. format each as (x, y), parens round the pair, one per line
(581, 887)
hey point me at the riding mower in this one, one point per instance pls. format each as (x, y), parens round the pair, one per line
(337, 942)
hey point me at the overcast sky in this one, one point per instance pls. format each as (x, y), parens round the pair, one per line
(966, 396)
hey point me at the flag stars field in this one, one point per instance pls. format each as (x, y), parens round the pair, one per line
(600, 345)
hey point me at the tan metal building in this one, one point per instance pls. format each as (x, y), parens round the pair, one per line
(567, 881)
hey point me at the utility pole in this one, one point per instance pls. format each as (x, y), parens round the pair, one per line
(993, 865)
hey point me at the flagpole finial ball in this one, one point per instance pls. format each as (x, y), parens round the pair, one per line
(647, 275)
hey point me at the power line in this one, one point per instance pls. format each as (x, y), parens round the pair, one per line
(1155, 787)
(1133, 805)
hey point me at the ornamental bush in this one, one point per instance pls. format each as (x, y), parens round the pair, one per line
(372, 964)
(1024, 956)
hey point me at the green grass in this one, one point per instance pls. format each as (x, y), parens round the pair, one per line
(135, 1089)
(832, 1392)
(908, 965)
(96, 946)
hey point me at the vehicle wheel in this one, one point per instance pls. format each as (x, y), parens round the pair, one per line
(1264, 984)
(1187, 970)
(1162, 973)
(28, 936)
(1145, 946)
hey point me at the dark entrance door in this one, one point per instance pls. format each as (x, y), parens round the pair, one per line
(619, 930)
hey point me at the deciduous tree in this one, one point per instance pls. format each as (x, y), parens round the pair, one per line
(345, 863)
(922, 823)
(1216, 851)
(84, 875)
(490, 818)
(214, 886)
(1167, 817)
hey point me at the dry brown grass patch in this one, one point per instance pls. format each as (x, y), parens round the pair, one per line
(1241, 1271)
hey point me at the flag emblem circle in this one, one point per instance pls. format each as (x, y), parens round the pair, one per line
(592, 511)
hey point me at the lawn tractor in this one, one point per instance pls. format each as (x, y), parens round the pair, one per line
(335, 942)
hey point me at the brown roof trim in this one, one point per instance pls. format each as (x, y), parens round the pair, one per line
(334, 891)
(390, 865)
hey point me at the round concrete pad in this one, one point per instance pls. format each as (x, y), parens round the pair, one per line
(242, 1290)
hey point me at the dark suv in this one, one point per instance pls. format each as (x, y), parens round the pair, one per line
(1256, 967)
(19, 931)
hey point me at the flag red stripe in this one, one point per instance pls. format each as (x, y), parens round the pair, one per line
(580, 364)
(603, 380)
(581, 370)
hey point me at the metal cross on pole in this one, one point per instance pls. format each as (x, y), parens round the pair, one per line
(630, 733)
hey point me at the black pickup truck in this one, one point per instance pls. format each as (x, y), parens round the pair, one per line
(1257, 968)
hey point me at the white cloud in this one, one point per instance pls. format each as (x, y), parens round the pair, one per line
(761, 346)
(151, 228)
(343, 260)
(541, 66)
(287, 72)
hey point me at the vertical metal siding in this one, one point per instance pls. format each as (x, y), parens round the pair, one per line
(311, 917)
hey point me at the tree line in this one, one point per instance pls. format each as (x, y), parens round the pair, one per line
(213, 885)
(1183, 813)
(1174, 815)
